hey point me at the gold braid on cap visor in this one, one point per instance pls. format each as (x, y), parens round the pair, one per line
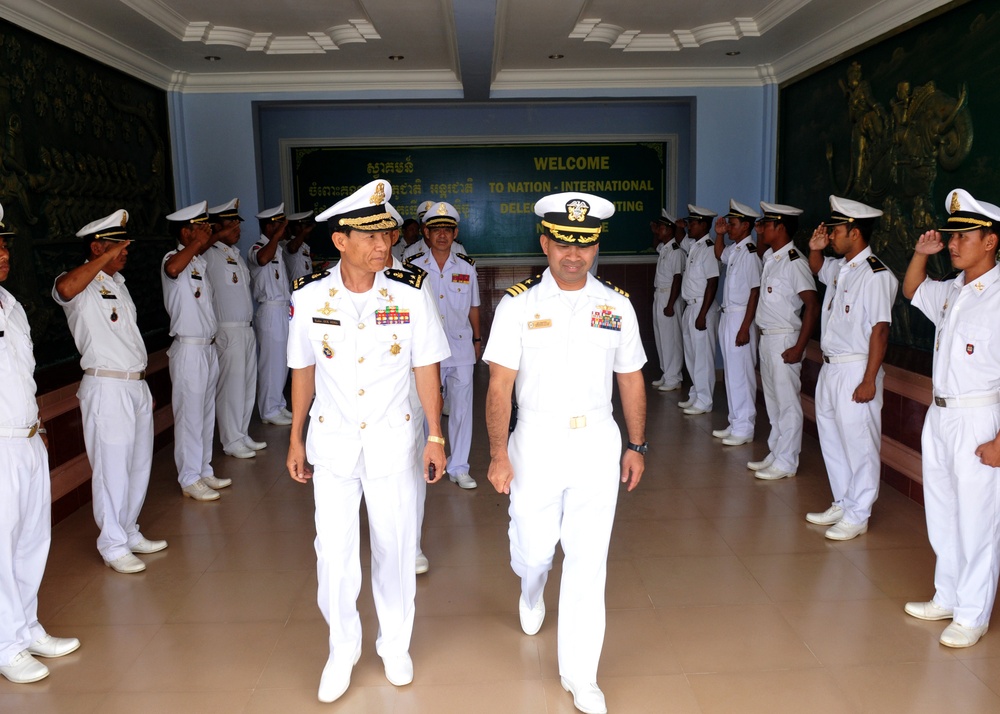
(579, 235)
(382, 221)
(970, 221)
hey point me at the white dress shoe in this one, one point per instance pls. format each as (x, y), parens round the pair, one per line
(657, 382)
(846, 531)
(668, 387)
(772, 473)
(286, 413)
(255, 445)
(398, 669)
(732, 440)
(722, 433)
(928, 611)
(531, 617)
(685, 404)
(422, 564)
(959, 636)
(588, 698)
(278, 419)
(696, 410)
(200, 491)
(463, 480)
(144, 545)
(336, 678)
(24, 669)
(240, 451)
(126, 564)
(762, 464)
(49, 646)
(216, 483)
(828, 517)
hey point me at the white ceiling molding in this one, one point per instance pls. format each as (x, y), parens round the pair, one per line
(593, 30)
(634, 78)
(441, 82)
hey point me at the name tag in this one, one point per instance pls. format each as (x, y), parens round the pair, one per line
(537, 324)
(326, 321)
(109, 296)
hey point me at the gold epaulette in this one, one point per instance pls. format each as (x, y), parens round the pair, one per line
(414, 280)
(524, 285)
(875, 264)
(466, 258)
(613, 286)
(415, 269)
(793, 254)
(306, 279)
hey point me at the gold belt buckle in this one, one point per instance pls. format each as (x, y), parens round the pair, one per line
(33, 430)
(940, 402)
(577, 422)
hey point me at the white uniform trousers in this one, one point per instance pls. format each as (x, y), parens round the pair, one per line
(667, 331)
(234, 397)
(25, 531)
(738, 365)
(850, 435)
(419, 442)
(118, 431)
(271, 326)
(194, 373)
(389, 500)
(565, 489)
(782, 386)
(962, 500)
(699, 353)
(457, 383)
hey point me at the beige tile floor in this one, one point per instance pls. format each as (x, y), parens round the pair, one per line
(721, 599)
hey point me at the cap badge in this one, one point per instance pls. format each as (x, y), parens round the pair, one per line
(442, 211)
(955, 205)
(379, 195)
(124, 218)
(577, 210)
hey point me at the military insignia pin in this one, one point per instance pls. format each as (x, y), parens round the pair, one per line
(769, 288)
(847, 308)
(327, 350)
(235, 279)
(197, 293)
(395, 349)
(969, 349)
(114, 315)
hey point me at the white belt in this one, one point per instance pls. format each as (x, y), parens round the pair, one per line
(568, 421)
(115, 374)
(234, 324)
(734, 307)
(195, 340)
(283, 303)
(839, 359)
(983, 400)
(663, 290)
(693, 301)
(778, 331)
(18, 432)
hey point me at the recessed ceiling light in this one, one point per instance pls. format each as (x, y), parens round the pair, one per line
(213, 58)
(732, 53)
(556, 57)
(395, 58)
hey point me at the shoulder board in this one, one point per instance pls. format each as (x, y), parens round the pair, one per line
(875, 264)
(675, 245)
(752, 247)
(466, 258)
(415, 269)
(414, 280)
(793, 254)
(306, 279)
(709, 243)
(613, 287)
(414, 257)
(524, 286)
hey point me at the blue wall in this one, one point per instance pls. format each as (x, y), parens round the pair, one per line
(226, 145)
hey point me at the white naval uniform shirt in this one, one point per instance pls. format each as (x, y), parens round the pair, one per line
(18, 407)
(421, 246)
(270, 282)
(859, 295)
(701, 267)
(686, 243)
(230, 278)
(742, 273)
(455, 288)
(188, 299)
(363, 365)
(102, 318)
(967, 339)
(565, 345)
(785, 274)
(298, 264)
(669, 262)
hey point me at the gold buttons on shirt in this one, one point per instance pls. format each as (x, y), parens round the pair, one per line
(441, 296)
(363, 425)
(321, 420)
(361, 325)
(360, 360)
(407, 417)
(361, 392)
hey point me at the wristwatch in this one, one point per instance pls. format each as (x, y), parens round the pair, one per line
(641, 448)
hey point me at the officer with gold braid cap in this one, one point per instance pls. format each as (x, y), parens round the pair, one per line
(555, 342)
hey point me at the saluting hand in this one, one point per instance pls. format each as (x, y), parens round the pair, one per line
(721, 226)
(929, 243)
(820, 238)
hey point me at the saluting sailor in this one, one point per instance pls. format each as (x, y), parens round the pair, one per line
(115, 402)
(856, 314)
(961, 438)
(356, 332)
(298, 254)
(555, 343)
(271, 291)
